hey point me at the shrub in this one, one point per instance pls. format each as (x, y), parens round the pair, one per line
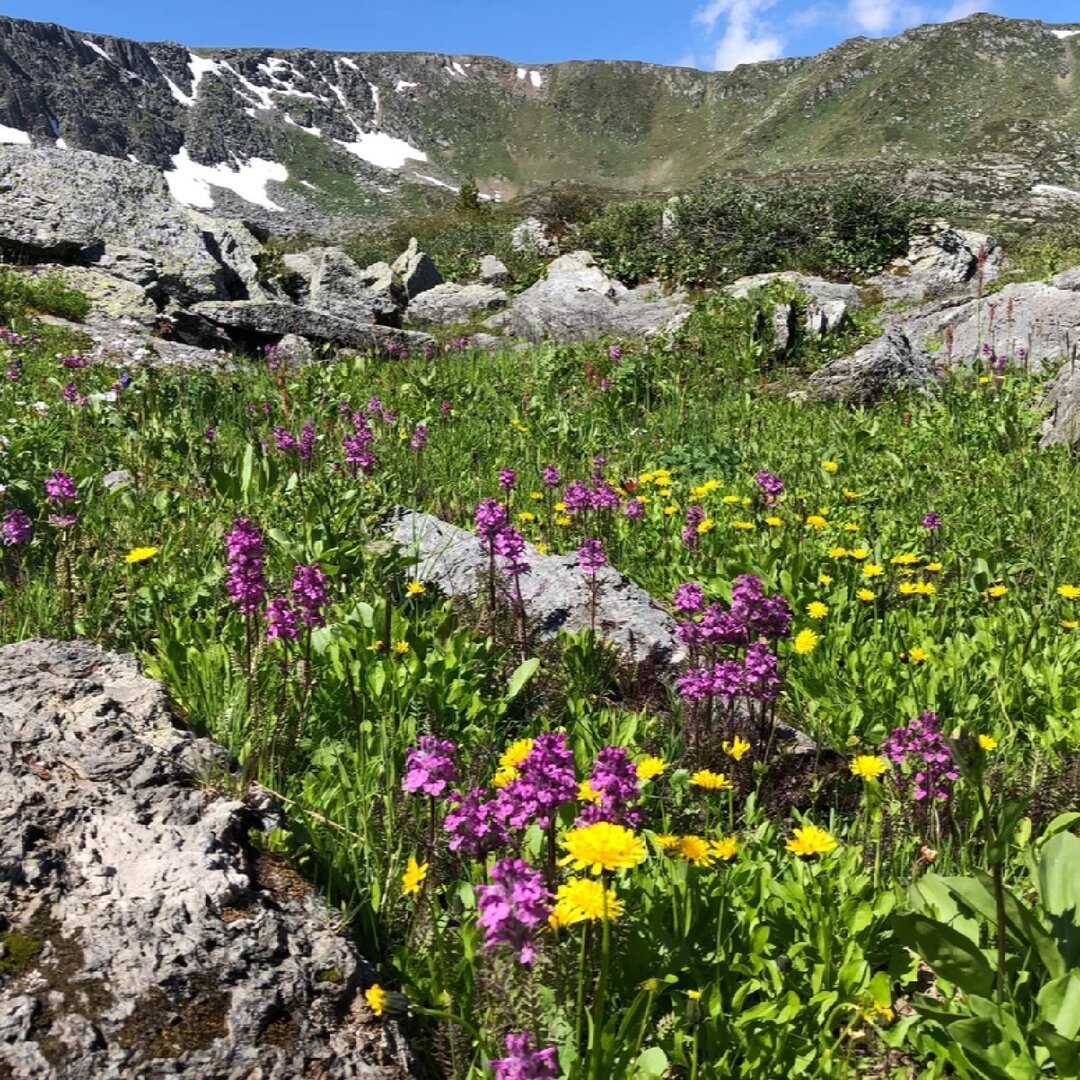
(628, 239)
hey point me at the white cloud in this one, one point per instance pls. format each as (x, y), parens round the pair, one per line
(873, 16)
(745, 38)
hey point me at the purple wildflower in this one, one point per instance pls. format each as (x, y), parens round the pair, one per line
(922, 744)
(615, 780)
(770, 485)
(932, 520)
(281, 621)
(591, 557)
(446, 410)
(695, 515)
(550, 476)
(689, 597)
(510, 547)
(305, 445)
(490, 521)
(512, 907)
(284, 440)
(16, 528)
(546, 781)
(419, 438)
(635, 509)
(577, 497)
(507, 479)
(522, 1063)
(615, 353)
(60, 487)
(245, 578)
(309, 593)
(430, 766)
(210, 435)
(474, 829)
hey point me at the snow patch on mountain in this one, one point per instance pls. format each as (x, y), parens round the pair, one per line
(382, 150)
(1065, 33)
(190, 182)
(13, 135)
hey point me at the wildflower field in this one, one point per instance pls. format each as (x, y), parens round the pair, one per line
(837, 839)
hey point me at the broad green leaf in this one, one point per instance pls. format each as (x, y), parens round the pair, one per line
(651, 1064)
(951, 955)
(1059, 1002)
(1059, 890)
(521, 676)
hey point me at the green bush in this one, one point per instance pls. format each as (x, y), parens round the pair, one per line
(627, 238)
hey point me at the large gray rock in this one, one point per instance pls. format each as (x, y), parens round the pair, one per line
(110, 297)
(555, 592)
(125, 344)
(156, 939)
(493, 271)
(1062, 425)
(77, 207)
(338, 285)
(943, 262)
(416, 270)
(1029, 324)
(577, 301)
(267, 319)
(448, 304)
(885, 366)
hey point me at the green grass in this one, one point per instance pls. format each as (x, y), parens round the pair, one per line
(744, 963)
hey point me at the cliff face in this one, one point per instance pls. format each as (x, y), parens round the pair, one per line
(979, 107)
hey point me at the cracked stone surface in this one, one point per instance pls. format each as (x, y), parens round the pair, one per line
(141, 932)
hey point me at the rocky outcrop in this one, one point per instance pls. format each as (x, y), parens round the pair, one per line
(1062, 425)
(448, 304)
(944, 262)
(1028, 324)
(556, 594)
(416, 270)
(118, 216)
(577, 301)
(143, 933)
(265, 321)
(883, 367)
(334, 283)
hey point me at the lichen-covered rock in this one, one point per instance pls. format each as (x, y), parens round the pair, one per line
(826, 305)
(449, 303)
(269, 319)
(416, 270)
(555, 592)
(885, 366)
(1029, 324)
(83, 208)
(143, 933)
(577, 301)
(339, 286)
(943, 262)
(110, 297)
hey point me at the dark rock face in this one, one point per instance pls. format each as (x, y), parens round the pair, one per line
(555, 591)
(142, 933)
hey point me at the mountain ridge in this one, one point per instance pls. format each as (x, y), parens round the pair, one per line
(303, 137)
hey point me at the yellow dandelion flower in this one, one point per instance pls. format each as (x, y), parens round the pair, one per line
(726, 848)
(736, 749)
(666, 842)
(694, 995)
(669, 510)
(564, 520)
(649, 768)
(584, 900)
(706, 526)
(810, 840)
(401, 647)
(850, 495)
(866, 595)
(817, 610)
(536, 496)
(908, 558)
(773, 522)
(838, 552)
(695, 850)
(851, 527)
(824, 580)
(830, 466)
(415, 588)
(603, 846)
(806, 641)
(907, 588)
(995, 592)
(526, 516)
(925, 588)
(731, 500)
(918, 656)
(987, 743)
(873, 570)
(859, 554)
(376, 998)
(744, 526)
(559, 507)
(710, 781)
(1069, 592)
(140, 554)
(587, 793)
(1069, 624)
(816, 521)
(542, 548)
(869, 766)
(414, 876)
(377, 646)
(933, 567)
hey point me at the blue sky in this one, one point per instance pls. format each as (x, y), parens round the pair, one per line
(704, 33)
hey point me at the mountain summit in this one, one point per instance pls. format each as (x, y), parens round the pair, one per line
(985, 111)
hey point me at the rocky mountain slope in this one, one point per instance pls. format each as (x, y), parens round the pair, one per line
(986, 110)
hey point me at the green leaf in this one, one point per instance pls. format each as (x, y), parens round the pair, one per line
(1059, 1002)
(1059, 890)
(521, 676)
(951, 955)
(651, 1064)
